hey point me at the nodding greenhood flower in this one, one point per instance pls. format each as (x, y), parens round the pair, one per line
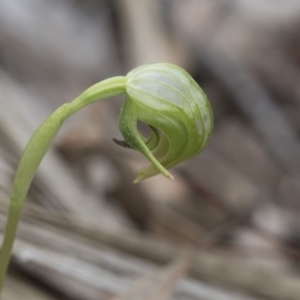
(161, 95)
(166, 98)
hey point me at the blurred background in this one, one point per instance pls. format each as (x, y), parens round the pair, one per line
(86, 231)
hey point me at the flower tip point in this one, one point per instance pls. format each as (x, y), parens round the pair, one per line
(171, 177)
(137, 180)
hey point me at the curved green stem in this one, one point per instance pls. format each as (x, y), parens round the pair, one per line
(36, 150)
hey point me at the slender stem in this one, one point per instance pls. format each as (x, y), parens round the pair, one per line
(36, 149)
(10, 232)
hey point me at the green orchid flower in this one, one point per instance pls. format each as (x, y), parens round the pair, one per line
(168, 99)
(161, 95)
